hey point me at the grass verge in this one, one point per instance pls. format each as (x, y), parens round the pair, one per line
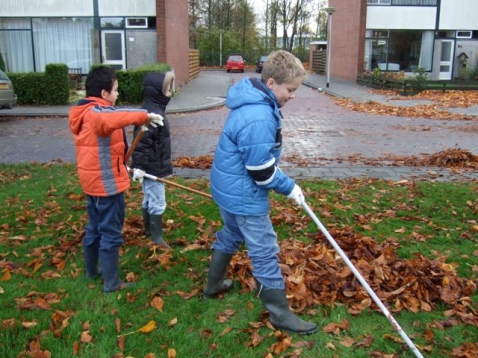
(416, 240)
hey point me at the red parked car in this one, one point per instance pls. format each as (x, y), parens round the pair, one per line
(235, 63)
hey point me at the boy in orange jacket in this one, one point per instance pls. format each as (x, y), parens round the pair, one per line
(98, 129)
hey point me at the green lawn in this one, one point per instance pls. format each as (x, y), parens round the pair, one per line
(415, 243)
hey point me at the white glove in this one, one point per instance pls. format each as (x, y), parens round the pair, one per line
(297, 195)
(155, 120)
(138, 175)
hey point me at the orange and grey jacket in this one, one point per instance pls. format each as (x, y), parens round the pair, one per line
(101, 144)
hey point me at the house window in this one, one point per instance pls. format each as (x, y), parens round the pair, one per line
(403, 2)
(378, 2)
(446, 34)
(414, 2)
(63, 40)
(112, 22)
(15, 23)
(16, 44)
(47, 40)
(137, 22)
(463, 34)
(399, 50)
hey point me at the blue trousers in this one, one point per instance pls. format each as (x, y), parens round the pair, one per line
(103, 238)
(105, 221)
(258, 234)
(154, 197)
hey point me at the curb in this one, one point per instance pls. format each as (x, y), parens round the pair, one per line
(313, 86)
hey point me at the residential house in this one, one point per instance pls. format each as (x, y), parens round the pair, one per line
(438, 36)
(124, 34)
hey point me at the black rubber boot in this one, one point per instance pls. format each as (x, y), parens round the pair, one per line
(110, 270)
(156, 228)
(146, 222)
(91, 258)
(217, 272)
(275, 301)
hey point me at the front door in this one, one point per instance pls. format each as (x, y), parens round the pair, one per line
(446, 59)
(113, 48)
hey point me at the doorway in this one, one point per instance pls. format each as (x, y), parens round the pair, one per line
(446, 59)
(113, 48)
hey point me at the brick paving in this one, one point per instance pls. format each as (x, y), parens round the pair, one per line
(321, 139)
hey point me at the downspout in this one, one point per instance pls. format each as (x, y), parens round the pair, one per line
(361, 37)
(435, 35)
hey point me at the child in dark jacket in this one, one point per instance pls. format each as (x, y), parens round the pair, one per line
(98, 128)
(244, 171)
(152, 155)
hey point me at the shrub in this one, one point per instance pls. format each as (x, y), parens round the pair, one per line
(58, 90)
(131, 82)
(29, 87)
(43, 88)
(419, 82)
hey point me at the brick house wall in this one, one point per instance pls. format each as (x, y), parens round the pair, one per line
(348, 38)
(173, 46)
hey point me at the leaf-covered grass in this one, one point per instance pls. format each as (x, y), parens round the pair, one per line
(49, 306)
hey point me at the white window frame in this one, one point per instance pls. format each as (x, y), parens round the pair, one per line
(145, 26)
(379, 2)
(461, 34)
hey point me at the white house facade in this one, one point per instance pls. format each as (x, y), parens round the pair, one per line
(120, 33)
(439, 37)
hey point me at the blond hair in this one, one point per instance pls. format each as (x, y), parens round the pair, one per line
(283, 67)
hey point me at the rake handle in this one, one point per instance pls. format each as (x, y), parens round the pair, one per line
(165, 181)
(133, 146)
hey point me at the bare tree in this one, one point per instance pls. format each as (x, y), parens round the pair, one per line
(290, 14)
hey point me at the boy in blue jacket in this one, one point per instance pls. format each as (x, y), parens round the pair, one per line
(244, 170)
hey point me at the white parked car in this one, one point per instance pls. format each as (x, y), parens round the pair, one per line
(8, 98)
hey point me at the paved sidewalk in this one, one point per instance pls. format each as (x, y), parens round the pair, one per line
(357, 93)
(208, 90)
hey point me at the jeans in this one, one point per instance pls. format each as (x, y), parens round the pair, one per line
(154, 197)
(105, 221)
(261, 241)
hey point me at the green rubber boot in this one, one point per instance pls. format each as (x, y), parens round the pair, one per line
(156, 228)
(275, 301)
(216, 282)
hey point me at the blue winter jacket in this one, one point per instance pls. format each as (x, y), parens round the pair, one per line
(245, 165)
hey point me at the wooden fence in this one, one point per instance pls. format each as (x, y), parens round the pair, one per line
(193, 63)
(319, 61)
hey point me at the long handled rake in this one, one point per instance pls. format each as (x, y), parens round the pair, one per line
(133, 146)
(362, 281)
(165, 181)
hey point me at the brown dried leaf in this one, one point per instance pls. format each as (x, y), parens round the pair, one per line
(157, 303)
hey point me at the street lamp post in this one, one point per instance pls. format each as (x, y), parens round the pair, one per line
(220, 48)
(330, 11)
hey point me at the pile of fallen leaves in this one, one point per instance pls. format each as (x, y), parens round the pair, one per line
(452, 158)
(201, 162)
(315, 274)
(449, 158)
(437, 110)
